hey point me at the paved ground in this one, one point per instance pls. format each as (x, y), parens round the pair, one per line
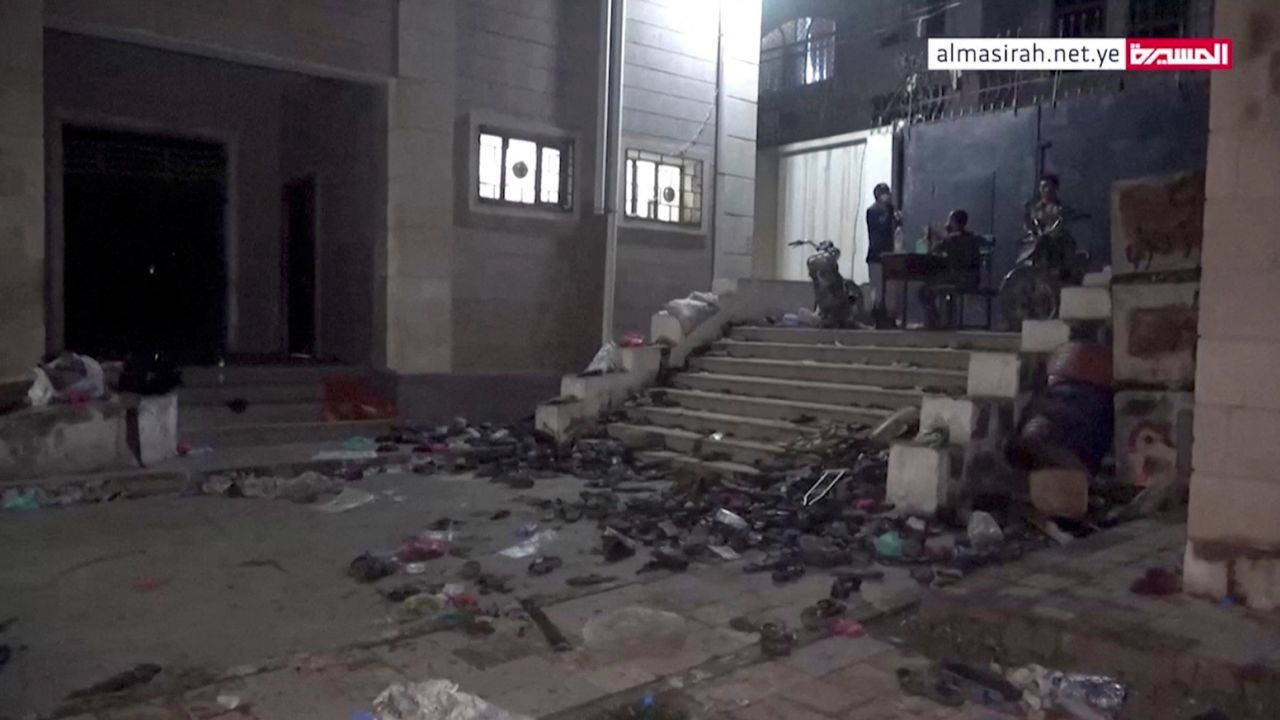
(202, 585)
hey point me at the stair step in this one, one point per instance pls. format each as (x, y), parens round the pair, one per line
(881, 376)
(772, 408)
(926, 357)
(736, 426)
(286, 393)
(960, 340)
(725, 468)
(213, 376)
(192, 417)
(799, 390)
(694, 444)
(284, 433)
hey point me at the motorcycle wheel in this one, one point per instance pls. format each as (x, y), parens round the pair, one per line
(1027, 294)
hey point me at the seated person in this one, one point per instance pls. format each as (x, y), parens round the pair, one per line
(963, 252)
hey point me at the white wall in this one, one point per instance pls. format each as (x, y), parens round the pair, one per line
(823, 189)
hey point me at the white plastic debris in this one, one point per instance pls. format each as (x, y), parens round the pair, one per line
(532, 546)
(693, 310)
(349, 499)
(41, 391)
(607, 360)
(435, 700)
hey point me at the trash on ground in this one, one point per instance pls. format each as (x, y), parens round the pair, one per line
(844, 627)
(371, 568)
(435, 700)
(1158, 581)
(137, 675)
(555, 638)
(775, 639)
(531, 546)
(984, 532)
(229, 702)
(348, 499)
(1081, 696)
(545, 565)
(422, 547)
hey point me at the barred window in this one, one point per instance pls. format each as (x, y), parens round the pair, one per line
(1158, 18)
(663, 188)
(1079, 18)
(525, 170)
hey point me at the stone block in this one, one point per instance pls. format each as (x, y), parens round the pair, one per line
(1234, 512)
(994, 375)
(1157, 223)
(1154, 433)
(560, 417)
(1102, 278)
(919, 477)
(665, 329)
(958, 415)
(645, 361)
(1044, 336)
(157, 428)
(1085, 303)
(1155, 334)
(65, 439)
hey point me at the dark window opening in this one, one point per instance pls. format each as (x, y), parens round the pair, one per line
(1079, 18)
(145, 254)
(1158, 18)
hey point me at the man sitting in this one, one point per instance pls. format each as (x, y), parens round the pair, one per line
(963, 252)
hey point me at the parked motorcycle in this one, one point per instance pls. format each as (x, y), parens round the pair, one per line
(1048, 262)
(836, 299)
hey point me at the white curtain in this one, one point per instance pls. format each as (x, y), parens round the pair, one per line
(821, 197)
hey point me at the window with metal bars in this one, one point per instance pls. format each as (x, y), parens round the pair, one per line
(1158, 18)
(1079, 18)
(798, 52)
(520, 170)
(663, 188)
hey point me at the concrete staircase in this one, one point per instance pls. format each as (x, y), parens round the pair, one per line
(283, 405)
(760, 388)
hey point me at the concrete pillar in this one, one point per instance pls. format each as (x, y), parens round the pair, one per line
(1234, 526)
(736, 139)
(414, 306)
(22, 333)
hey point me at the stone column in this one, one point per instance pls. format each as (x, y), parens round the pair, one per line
(735, 176)
(1234, 527)
(414, 305)
(22, 331)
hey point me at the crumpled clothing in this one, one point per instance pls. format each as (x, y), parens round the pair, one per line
(435, 700)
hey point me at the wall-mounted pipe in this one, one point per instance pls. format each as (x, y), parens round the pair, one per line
(611, 167)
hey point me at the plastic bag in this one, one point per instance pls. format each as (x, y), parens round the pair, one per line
(693, 310)
(75, 377)
(984, 532)
(435, 700)
(607, 360)
(532, 546)
(41, 391)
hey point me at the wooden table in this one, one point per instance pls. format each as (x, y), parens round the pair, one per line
(907, 268)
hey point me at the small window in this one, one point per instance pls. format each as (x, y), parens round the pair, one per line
(664, 188)
(798, 52)
(1080, 18)
(525, 170)
(1158, 18)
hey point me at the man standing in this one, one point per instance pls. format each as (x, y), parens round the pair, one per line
(883, 219)
(963, 252)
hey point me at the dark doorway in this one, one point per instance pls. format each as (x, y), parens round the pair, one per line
(145, 249)
(299, 265)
